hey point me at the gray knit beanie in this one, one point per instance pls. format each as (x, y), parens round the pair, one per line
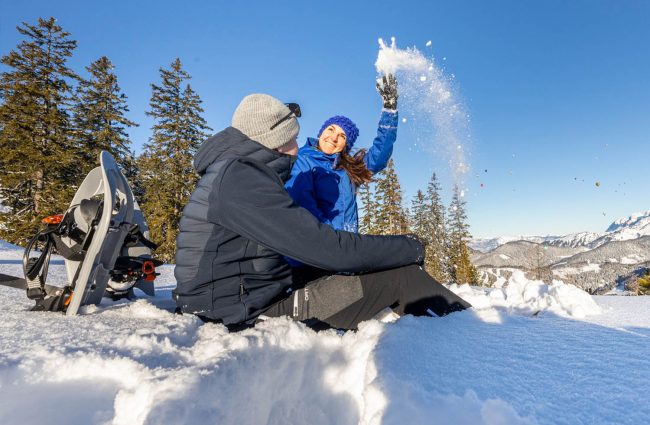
(257, 113)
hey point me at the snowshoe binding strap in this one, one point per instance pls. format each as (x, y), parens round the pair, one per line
(135, 236)
(55, 302)
(50, 238)
(35, 268)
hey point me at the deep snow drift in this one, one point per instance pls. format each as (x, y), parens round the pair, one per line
(527, 353)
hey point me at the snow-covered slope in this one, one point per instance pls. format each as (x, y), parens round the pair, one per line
(523, 254)
(632, 227)
(638, 221)
(488, 244)
(633, 251)
(575, 240)
(528, 353)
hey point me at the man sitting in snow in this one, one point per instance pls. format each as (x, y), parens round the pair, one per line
(240, 223)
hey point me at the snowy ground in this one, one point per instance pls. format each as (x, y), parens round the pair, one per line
(528, 353)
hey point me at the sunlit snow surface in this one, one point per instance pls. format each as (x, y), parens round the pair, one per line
(527, 353)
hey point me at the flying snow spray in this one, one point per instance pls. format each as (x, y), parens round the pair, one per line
(427, 97)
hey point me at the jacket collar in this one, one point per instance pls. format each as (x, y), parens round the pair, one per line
(311, 148)
(232, 143)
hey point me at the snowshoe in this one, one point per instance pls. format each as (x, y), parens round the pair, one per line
(103, 239)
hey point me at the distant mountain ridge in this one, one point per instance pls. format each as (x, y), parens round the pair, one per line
(633, 227)
(639, 220)
(489, 244)
(595, 262)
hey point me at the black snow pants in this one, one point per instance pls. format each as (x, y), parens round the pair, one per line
(342, 302)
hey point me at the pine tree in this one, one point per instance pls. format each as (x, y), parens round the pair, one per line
(39, 162)
(131, 170)
(367, 223)
(437, 257)
(405, 225)
(100, 122)
(461, 270)
(166, 168)
(419, 217)
(391, 216)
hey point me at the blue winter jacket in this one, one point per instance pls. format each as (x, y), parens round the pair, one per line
(327, 192)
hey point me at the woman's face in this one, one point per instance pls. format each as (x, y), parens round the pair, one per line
(332, 140)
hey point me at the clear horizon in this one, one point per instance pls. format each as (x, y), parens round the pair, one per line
(558, 93)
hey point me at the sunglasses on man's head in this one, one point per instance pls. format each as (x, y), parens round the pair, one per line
(294, 109)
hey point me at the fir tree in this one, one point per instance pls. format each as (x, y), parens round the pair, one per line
(166, 168)
(419, 217)
(461, 270)
(367, 223)
(131, 170)
(437, 257)
(100, 122)
(391, 217)
(39, 163)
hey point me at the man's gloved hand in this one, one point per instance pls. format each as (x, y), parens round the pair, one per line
(388, 91)
(423, 243)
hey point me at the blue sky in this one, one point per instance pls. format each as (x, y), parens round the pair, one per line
(558, 91)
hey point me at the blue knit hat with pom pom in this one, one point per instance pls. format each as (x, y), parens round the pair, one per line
(350, 129)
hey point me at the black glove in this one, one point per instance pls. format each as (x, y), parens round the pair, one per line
(388, 91)
(423, 243)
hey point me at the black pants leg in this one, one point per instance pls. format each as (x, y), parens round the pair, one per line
(419, 293)
(343, 302)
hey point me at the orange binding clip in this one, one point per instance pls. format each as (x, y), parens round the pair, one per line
(53, 219)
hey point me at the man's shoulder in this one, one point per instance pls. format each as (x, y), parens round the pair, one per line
(235, 164)
(243, 170)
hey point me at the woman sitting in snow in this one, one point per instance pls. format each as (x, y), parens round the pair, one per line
(325, 177)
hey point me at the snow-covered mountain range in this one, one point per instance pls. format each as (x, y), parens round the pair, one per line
(596, 262)
(632, 227)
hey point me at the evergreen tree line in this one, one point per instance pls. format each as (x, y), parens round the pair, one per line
(55, 122)
(445, 233)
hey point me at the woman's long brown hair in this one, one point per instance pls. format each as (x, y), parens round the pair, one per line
(355, 167)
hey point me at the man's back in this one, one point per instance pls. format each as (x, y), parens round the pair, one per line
(216, 268)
